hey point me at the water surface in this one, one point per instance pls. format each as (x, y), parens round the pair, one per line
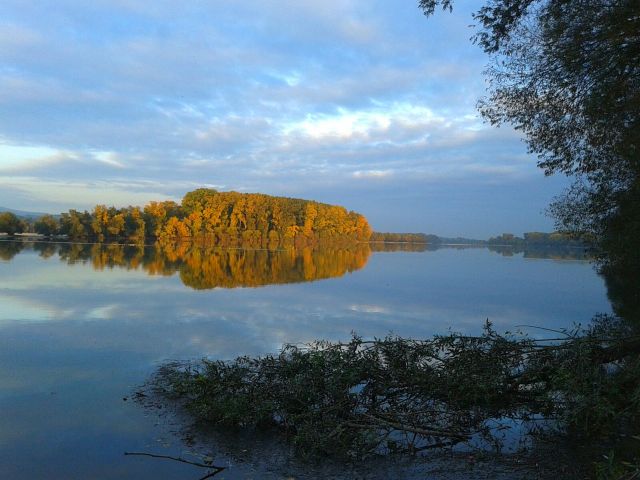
(81, 326)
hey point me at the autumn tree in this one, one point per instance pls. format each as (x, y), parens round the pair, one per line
(115, 226)
(225, 218)
(197, 200)
(134, 225)
(174, 229)
(157, 213)
(100, 221)
(259, 219)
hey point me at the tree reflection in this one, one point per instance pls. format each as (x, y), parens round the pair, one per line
(45, 250)
(8, 250)
(541, 252)
(400, 247)
(205, 267)
(624, 294)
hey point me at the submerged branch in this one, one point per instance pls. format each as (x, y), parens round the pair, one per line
(377, 421)
(181, 460)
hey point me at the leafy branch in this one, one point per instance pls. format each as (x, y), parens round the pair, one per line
(401, 395)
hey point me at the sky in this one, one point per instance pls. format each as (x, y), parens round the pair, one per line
(365, 104)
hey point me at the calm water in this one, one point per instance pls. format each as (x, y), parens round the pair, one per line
(82, 326)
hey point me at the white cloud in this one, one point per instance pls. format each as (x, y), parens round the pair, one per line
(372, 173)
(109, 158)
(19, 158)
(369, 309)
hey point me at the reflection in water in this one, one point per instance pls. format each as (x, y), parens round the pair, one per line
(540, 252)
(621, 274)
(203, 267)
(550, 253)
(8, 250)
(75, 340)
(603, 390)
(399, 247)
(624, 294)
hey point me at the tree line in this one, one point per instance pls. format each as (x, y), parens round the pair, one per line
(398, 237)
(226, 218)
(532, 239)
(529, 239)
(10, 223)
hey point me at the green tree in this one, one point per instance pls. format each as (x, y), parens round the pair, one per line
(75, 224)
(10, 223)
(134, 225)
(567, 74)
(46, 225)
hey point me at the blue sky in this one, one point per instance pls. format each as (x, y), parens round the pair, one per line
(366, 104)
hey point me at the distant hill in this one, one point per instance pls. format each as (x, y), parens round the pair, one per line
(22, 213)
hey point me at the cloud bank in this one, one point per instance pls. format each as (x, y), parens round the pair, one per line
(365, 104)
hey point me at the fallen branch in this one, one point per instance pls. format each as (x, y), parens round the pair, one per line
(215, 468)
(419, 431)
(346, 399)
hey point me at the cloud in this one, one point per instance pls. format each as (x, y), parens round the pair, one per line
(57, 195)
(16, 158)
(286, 98)
(372, 173)
(369, 309)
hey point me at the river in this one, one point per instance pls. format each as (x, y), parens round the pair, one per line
(83, 326)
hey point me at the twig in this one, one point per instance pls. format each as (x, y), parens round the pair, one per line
(212, 474)
(561, 332)
(408, 428)
(420, 431)
(448, 443)
(182, 460)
